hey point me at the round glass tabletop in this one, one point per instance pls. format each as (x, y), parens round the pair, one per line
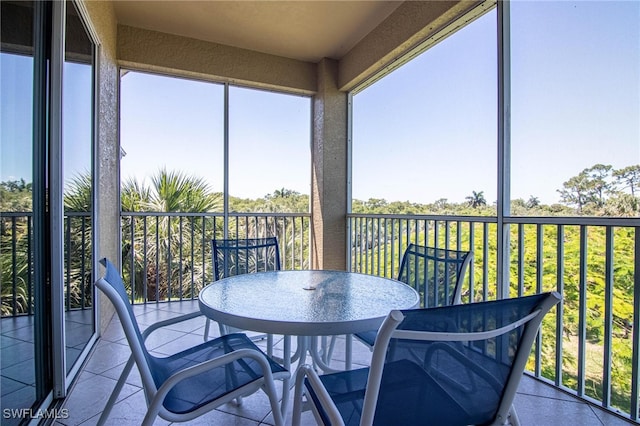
(305, 303)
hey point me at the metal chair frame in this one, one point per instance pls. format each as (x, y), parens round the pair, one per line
(309, 384)
(438, 256)
(261, 249)
(159, 389)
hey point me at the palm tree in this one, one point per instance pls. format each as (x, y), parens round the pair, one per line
(133, 196)
(476, 199)
(79, 229)
(160, 245)
(15, 196)
(14, 267)
(178, 192)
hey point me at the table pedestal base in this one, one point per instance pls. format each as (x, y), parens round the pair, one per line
(319, 358)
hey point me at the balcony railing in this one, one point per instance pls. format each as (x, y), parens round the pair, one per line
(16, 257)
(587, 346)
(16, 245)
(167, 256)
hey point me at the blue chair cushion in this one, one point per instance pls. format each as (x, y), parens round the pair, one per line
(408, 396)
(197, 391)
(368, 337)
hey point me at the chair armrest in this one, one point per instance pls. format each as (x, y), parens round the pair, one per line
(321, 393)
(197, 369)
(170, 321)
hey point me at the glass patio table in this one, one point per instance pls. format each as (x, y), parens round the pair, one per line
(306, 304)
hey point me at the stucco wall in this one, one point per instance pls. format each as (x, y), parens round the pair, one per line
(103, 25)
(160, 52)
(329, 174)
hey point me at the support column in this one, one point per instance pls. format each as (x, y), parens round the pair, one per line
(329, 171)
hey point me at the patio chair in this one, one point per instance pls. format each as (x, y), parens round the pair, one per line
(196, 380)
(452, 365)
(242, 256)
(436, 274)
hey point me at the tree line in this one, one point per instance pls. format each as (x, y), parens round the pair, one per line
(599, 190)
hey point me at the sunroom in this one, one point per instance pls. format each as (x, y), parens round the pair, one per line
(346, 129)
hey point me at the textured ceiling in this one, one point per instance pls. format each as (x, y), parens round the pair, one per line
(303, 30)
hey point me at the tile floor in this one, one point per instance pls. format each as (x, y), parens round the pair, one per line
(536, 402)
(17, 385)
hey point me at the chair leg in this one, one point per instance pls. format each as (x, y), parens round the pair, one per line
(152, 412)
(270, 389)
(327, 349)
(223, 329)
(514, 420)
(286, 382)
(270, 345)
(348, 351)
(207, 326)
(297, 399)
(116, 391)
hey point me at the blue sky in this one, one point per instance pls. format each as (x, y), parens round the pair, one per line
(431, 125)
(16, 92)
(16, 114)
(575, 91)
(425, 132)
(179, 124)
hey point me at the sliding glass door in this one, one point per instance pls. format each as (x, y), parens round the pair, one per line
(25, 369)
(77, 171)
(46, 203)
